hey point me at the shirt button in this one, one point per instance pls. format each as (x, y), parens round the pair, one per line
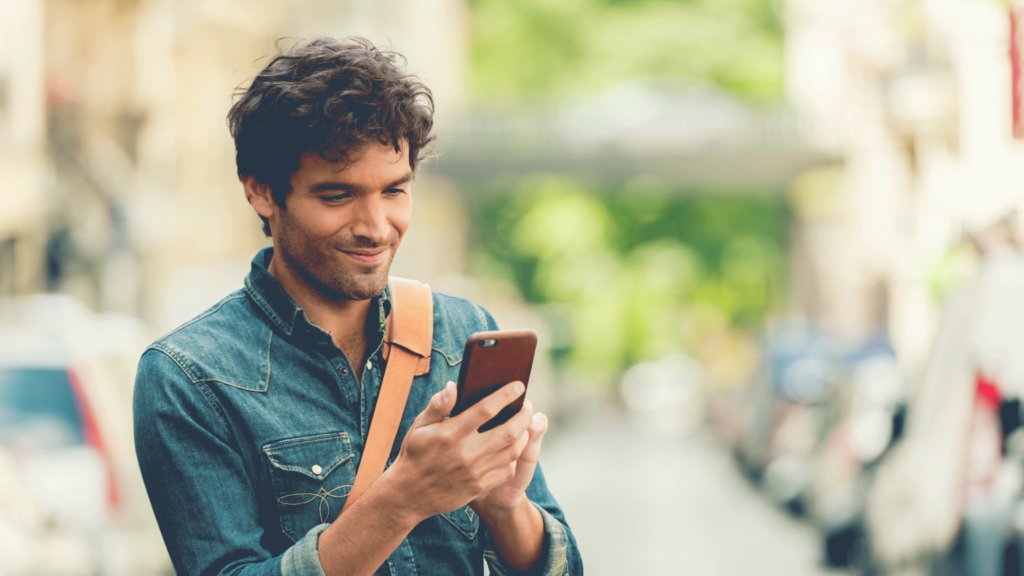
(344, 371)
(369, 365)
(317, 469)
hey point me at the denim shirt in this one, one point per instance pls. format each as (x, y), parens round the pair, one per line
(250, 424)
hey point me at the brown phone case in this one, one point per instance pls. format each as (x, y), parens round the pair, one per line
(490, 361)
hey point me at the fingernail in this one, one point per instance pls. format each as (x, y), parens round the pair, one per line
(444, 392)
(519, 388)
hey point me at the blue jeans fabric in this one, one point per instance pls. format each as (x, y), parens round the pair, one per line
(250, 424)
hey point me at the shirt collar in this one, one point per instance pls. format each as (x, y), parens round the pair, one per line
(278, 306)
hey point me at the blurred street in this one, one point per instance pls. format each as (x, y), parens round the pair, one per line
(644, 503)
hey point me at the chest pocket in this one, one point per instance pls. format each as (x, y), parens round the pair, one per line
(312, 477)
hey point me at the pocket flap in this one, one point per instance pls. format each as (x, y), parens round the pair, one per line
(315, 456)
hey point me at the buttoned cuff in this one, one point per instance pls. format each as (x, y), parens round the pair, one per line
(303, 559)
(552, 561)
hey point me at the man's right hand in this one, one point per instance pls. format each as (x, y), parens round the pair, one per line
(445, 464)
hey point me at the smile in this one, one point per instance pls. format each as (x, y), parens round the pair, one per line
(365, 258)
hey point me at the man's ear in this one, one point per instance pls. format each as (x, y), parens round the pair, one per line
(259, 196)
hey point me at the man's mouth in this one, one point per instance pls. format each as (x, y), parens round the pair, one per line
(364, 256)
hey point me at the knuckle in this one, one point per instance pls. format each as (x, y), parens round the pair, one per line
(463, 459)
(509, 436)
(446, 439)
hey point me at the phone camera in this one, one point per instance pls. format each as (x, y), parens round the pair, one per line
(488, 343)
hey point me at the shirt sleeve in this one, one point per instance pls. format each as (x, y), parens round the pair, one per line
(559, 555)
(204, 502)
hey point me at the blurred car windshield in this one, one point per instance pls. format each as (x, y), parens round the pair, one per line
(38, 409)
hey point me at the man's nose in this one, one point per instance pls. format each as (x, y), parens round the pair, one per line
(371, 220)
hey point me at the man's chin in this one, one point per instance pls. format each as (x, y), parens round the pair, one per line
(363, 285)
(364, 292)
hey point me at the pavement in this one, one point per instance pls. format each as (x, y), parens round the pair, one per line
(641, 502)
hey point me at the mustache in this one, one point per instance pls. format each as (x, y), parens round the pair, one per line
(363, 243)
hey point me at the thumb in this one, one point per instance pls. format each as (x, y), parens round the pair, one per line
(439, 407)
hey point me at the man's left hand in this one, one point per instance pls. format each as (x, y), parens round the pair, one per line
(509, 496)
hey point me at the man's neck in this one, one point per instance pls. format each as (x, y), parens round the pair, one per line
(344, 319)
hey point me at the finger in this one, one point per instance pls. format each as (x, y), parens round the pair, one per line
(501, 458)
(438, 408)
(507, 433)
(538, 427)
(522, 443)
(478, 414)
(497, 477)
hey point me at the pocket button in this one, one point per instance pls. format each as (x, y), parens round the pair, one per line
(316, 469)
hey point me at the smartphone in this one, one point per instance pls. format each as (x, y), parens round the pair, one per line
(490, 361)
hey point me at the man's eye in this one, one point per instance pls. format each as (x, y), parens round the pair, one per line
(336, 198)
(395, 191)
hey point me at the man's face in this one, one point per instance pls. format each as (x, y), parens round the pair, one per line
(343, 225)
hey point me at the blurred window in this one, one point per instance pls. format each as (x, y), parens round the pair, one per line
(38, 409)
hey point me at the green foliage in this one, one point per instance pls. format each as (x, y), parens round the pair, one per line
(631, 265)
(533, 49)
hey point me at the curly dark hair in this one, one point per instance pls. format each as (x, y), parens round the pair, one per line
(333, 97)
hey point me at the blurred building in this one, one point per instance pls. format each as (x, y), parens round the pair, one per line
(116, 167)
(22, 145)
(916, 97)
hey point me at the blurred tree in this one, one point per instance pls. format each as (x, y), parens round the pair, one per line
(628, 267)
(630, 270)
(542, 49)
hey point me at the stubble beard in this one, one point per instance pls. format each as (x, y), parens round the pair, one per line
(326, 275)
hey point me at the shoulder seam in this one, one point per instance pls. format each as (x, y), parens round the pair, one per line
(175, 357)
(186, 366)
(200, 386)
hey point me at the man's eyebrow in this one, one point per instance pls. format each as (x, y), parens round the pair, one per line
(346, 187)
(403, 180)
(323, 186)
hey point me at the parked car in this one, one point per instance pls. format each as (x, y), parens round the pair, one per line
(866, 417)
(787, 404)
(65, 395)
(822, 413)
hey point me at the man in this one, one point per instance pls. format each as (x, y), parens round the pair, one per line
(250, 420)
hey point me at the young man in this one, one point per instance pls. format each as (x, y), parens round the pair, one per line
(250, 420)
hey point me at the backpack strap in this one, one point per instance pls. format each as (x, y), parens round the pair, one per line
(409, 336)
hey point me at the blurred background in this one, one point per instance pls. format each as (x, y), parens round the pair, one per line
(771, 247)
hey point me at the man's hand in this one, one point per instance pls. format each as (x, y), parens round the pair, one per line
(511, 494)
(443, 465)
(516, 525)
(446, 464)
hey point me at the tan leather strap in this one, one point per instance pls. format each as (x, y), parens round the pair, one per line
(409, 336)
